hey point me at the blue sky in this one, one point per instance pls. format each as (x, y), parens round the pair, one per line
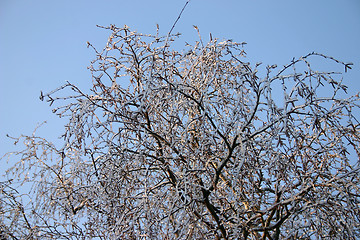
(43, 43)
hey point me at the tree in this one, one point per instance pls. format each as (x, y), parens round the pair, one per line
(192, 145)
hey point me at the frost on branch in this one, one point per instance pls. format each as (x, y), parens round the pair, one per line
(195, 144)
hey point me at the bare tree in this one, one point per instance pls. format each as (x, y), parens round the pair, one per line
(192, 145)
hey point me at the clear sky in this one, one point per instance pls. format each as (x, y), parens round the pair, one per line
(43, 43)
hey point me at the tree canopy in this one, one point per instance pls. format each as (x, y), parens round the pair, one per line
(191, 144)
